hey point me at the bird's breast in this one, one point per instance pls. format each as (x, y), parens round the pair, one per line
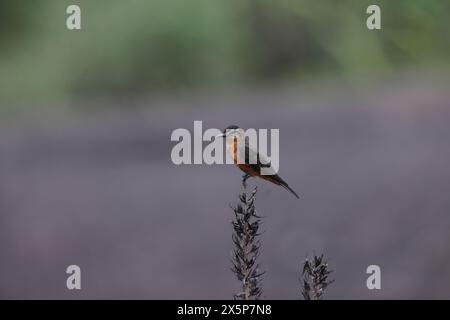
(232, 146)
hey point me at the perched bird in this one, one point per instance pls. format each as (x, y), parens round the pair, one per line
(248, 159)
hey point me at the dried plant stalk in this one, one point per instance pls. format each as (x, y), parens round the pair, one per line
(315, 278)
(246, 225)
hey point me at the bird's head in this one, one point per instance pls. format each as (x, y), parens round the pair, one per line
(231, 131)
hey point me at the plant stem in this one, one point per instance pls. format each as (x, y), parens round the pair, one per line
(246, 224)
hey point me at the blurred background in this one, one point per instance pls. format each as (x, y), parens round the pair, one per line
(86, 117)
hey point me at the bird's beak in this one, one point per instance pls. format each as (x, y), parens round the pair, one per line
(222, 135)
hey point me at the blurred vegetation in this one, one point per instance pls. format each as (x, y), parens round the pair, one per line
(146, 46)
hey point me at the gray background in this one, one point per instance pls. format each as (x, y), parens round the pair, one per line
(371, 166)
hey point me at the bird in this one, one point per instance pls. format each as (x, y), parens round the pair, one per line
(239, 147)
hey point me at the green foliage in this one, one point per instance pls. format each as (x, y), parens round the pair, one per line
(143, 46)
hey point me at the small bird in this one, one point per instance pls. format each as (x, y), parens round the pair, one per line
(238, 147)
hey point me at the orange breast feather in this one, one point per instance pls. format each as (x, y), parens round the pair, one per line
(233, 149)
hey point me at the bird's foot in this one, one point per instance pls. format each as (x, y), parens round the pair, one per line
(244, 180)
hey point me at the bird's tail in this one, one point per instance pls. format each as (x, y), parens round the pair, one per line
(277, 180)
(285, 185)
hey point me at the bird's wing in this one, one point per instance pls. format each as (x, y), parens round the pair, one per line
(253, 157)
